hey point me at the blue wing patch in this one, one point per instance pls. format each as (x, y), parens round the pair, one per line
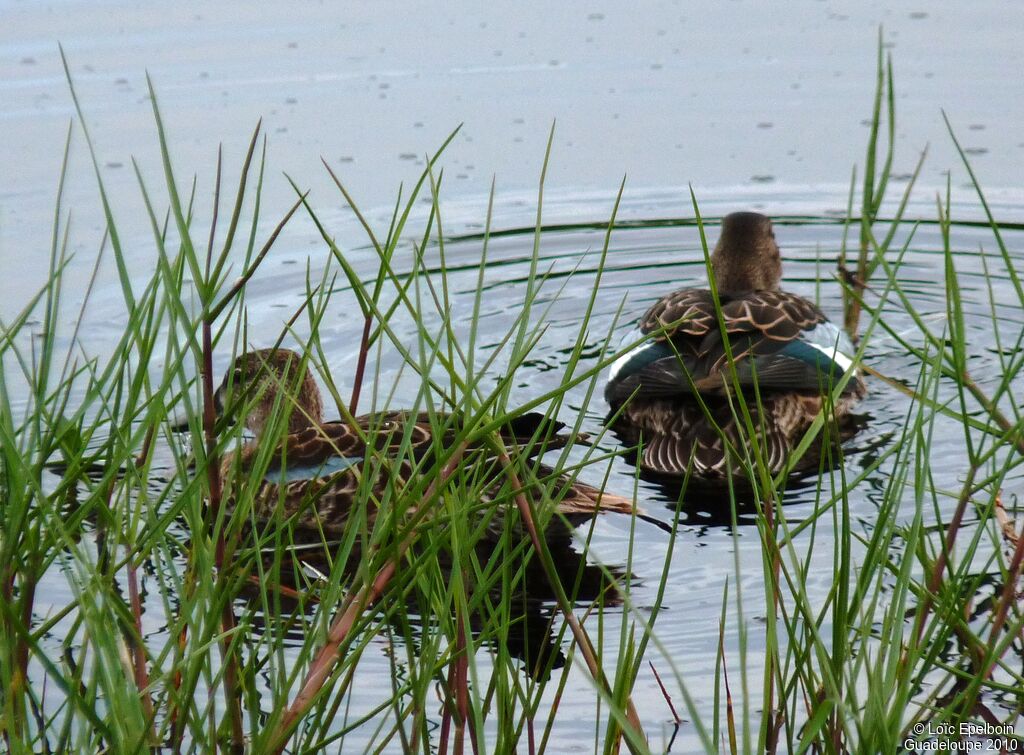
(329, 467)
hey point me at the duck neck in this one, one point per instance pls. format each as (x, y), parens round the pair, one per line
(306, 413)
(299, 421)
(735, 279)
(309, 409)
(730, 281)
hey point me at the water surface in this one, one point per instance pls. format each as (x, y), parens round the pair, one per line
(755, 106)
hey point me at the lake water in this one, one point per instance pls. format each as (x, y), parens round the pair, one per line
(756, 106)
(730, 97)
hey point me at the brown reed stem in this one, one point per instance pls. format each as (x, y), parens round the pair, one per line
(664, 692)
(251, 270)
(323, 664)
(446, 715)
(935, 580)
(1012, 431)
(730, 716)
(461, 685)
(138, 649)
(364, 348)
(1007, 598)
(579, 633)
(772, 543)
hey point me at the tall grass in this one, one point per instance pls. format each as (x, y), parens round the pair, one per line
(262, 636)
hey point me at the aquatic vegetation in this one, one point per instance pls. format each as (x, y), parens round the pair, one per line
(140, 611)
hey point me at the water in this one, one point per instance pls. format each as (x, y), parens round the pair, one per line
(645, 260)
(669, 94)
(732, 97)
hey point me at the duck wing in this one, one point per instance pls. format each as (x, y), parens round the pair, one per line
(532, 432)
(668, 363)
(778, 340)
(325, 499)
(324, 449)
(688, 312)
(314, 446)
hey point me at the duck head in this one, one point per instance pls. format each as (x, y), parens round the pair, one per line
(262, 376)
(746, 257)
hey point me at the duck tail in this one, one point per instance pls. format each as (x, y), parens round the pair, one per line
(586, 499)
(611, 502)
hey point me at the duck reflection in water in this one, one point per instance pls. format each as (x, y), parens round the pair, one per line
(519, 611)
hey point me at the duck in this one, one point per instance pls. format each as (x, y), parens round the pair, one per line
(676, 391)
(316, 471)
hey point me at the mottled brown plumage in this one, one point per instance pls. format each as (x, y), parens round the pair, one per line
(777, 315)
(318, 471)
(756, 323)
(780, 343)
(677, 434)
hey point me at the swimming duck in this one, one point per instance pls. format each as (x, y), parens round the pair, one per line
(780, 342)
(314, 471)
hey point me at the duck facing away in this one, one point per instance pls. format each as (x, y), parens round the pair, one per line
(318, 471)
(779, 342)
